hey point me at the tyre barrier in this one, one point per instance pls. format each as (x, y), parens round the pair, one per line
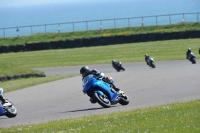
(14, 77)
(99, 41)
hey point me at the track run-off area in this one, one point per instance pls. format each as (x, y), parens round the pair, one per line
(169, 82)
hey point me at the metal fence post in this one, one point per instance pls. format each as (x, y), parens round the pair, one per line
(4, 33)
(169, 19)
(128, 22)
(115, 23)
(58, 28)
(17, 32)
(142, 22)
(73, 26)
(87, 25)
(31, 30)
(156, 21)
(183, 18)
(45, 29)
(100, 25)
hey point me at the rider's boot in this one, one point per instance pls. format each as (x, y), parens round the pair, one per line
(6, 104)
(117, 89)
(92, 100)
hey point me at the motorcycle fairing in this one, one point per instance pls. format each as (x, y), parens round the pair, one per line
(2, 111)
(101, 87)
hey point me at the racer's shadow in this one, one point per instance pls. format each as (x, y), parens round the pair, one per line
(3, 118)
(80, 110)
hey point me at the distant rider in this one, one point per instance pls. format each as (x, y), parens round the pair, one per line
(115, 62)
(147, 57)
(85, 71)
(188, 53)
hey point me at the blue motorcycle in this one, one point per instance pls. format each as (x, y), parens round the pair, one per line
(9, 111)
(102, 92)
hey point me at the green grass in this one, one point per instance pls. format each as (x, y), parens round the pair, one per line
(172, 118)
(23, 62)
(107, 32)
(178, 118)
(13, 85)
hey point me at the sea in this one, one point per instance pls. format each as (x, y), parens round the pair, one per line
(78, 15)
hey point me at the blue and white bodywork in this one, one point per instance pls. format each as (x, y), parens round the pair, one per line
(2, 111)
(102, 92)
(9, 111)
(192, 58)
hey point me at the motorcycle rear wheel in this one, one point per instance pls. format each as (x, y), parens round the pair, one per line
(124, 100)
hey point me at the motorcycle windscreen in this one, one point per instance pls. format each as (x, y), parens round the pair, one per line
(88, 82)
(1, 91)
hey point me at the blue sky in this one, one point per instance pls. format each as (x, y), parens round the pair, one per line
(46, 2)
(36, 2)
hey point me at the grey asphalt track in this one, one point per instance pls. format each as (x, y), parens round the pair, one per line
(170, 81)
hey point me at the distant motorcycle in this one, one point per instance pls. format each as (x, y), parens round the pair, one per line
(117, 65)
(192, 58)
(9, 111)
(102, 92)
(151, 62)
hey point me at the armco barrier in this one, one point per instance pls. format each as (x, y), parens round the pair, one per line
(96, 41)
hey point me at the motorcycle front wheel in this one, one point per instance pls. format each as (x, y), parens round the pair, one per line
(102, 100)
(152, 65)
(122, 68)
(11, 111)
(193, 61)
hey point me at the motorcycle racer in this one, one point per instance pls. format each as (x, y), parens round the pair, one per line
(147, 58)
(85, 71)
(5, 104)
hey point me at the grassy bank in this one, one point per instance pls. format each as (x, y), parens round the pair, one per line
(179, 117)
(13, 85)
(107, 32)
(22, 62)
(172, 118)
